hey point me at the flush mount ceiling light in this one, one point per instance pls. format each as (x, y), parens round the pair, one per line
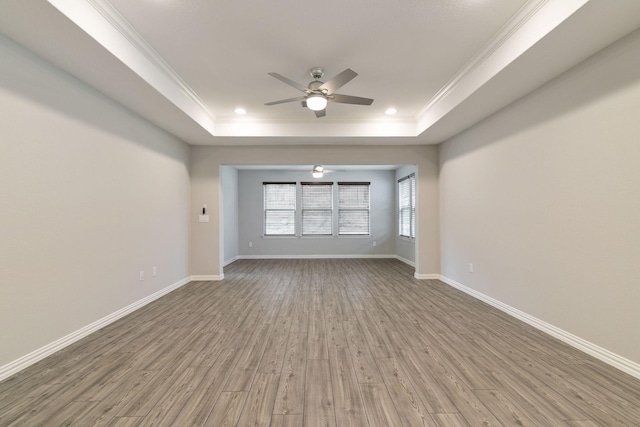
(317, 171)
(240, 111)
(390, 111)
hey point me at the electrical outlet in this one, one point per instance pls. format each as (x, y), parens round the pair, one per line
(155, 271)
(470, 268)
(375, 243)
(141, 275)
(250, 244)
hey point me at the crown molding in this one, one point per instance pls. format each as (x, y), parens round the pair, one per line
(523, 15)
(247, 126)
(118, 22)
(530, 24)
(100, 20)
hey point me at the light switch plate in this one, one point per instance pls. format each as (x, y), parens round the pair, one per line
(203, 218)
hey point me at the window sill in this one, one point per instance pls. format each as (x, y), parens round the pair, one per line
(407, 239)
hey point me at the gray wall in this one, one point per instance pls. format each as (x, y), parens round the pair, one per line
(544, 199)
(229, 176)
(90, 195)
(405, 248)
(381, 216)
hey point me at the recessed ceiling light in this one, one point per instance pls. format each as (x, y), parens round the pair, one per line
(390, 111)
(240, 111)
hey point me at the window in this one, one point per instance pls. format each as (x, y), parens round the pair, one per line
(407, 206)
(353, 208)
(316, 216)
(279, 208)
(317, 208)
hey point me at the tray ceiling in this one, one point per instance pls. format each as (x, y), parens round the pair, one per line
(186, 65)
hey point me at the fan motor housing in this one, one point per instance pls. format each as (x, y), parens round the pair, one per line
(315, 85)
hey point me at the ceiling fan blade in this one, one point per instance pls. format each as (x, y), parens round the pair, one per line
(282, 101)
(290, 82)
(321, 113)
(348, 99)
(338, 81)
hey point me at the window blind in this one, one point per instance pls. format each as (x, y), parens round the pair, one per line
(353, 208)
(317, 208)
(279, 209)
(406, 206)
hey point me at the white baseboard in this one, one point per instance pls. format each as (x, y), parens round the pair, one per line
(327, 256)
(406, 261)
(206, 277)
(234, 259)
(625, 365)
(426, 276)
(39, 354)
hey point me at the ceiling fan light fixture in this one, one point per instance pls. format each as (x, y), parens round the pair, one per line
(316, 102)
(317, 93)
(317, 172)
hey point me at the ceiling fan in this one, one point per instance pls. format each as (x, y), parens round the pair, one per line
(319, 93)
(319, 171)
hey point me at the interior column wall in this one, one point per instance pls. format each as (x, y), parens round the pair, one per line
(230, 213)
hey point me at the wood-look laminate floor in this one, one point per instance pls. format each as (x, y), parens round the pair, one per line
(319, 343)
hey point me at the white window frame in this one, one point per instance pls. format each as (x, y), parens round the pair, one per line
(407, 203)
(341, 209)
(267, 209)
(328, 211)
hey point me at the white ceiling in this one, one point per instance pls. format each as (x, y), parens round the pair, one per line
(444, 65)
